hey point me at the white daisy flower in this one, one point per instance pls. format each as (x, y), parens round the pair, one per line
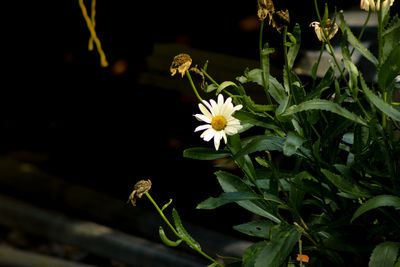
(218, 119)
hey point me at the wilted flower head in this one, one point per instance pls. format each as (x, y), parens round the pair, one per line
(139, 190)
(276, 19)
(265, 8)
(219, 120)
(374, 5)
(329, 30)
(181, 63)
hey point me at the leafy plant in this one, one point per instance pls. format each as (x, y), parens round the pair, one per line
(335, 195)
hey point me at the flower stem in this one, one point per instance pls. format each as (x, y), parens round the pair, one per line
(193, 86)
(162, 214)
(179, 235)
(260, 48)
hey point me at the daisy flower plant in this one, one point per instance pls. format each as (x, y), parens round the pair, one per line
(320, 152)
(218, 119)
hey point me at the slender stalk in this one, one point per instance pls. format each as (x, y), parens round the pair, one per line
(287, 65)
(209, 77)
(260, 47)
(380, 54)
(193, 86)
(362, 29)
(162, 214)
(321, 51)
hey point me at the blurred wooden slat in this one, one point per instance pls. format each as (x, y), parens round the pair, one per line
(31, 184)
(91, 237)
(12, 257)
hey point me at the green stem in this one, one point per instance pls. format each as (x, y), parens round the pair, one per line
(321, 51)
(362, 29)
(177, 234)
(287, 65)
(260, 47)
(162, 214)
(380, 29)
(209, 77)
(193, 86)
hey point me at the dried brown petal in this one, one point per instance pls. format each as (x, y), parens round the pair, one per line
(329, 30)
(265, 8)
(139, 190)
(181, 63)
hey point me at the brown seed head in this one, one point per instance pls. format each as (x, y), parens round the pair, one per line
(181, 63)
(139, 190)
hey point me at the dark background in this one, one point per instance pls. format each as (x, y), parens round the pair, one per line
(88, 125)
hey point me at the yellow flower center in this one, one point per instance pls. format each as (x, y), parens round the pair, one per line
(218, 123)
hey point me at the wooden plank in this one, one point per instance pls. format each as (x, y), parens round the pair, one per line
(12, 257)
(90, 236)
(31, 184)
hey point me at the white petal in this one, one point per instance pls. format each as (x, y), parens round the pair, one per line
(202, 127)
(208, 106)
(215, 108)
(217, 139)
(232, 129)
(224, 136)
(226, 108)
(233, 121)
(237, 107)
(205, 111)
(203, 118)
(208, 134)
(220, 100)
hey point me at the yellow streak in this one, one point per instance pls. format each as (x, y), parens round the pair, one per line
(103, 60)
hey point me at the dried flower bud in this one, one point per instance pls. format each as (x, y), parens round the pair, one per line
(374, 5)
(265, 8)
(329, 30)
(181, 63)
(139, 190)
(280, 19)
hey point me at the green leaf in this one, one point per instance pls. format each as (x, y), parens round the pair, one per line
(348, 63)
(257, 107)
(276, 90)
(166, 240)
(292, 143)
(275, 252)
(211, 87)
(355, 42)
(202, 153)
(226, 198)
(377, 202)
(254, 75)
(250, 254)
(326, 105)
(391, 36)
(182, 231)
(167, 204)
(324, 84)
(345, 184)
(389, 69)
(265, 52)
(260, 143)
(253, 119)
(224, 85)
(294, 49)
(384, 254)
(389, 110)
(232, 183)
(255, 228)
